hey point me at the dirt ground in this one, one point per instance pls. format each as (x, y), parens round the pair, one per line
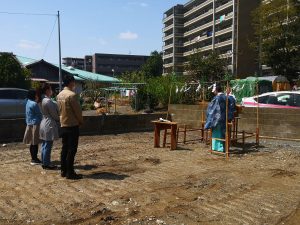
(127, 181)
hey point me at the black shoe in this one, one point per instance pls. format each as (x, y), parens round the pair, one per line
(35, 162)
(50, 167)
(74, 176)
(63, 174)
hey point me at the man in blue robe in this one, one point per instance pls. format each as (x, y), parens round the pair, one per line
(216, 117)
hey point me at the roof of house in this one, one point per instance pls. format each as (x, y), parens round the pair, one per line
(24, 60)
(89, 76)
(79, 75)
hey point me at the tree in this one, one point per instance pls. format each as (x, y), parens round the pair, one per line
(206, 68)
(277, 31)
(11, 72)
(154, 65)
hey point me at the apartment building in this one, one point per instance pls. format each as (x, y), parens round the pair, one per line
(205, 25)
(107, 64)
(116, 64)
(77, 63)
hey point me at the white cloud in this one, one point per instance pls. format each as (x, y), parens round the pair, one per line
(99, 40)
(128, 35)
(29, 45)
(141, 4)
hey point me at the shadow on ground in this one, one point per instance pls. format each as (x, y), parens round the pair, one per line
(106, 176)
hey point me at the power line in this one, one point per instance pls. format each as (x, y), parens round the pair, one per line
(28, 14)
(49, 38)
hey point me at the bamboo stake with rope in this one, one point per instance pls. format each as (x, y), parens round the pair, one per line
(226, 134)
(257, 115)
(170, 93)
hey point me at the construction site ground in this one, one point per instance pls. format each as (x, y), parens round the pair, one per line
(128, 181)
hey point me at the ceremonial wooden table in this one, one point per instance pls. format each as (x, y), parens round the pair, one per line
(158, 126)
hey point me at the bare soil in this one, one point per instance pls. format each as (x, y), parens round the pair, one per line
(127, 181)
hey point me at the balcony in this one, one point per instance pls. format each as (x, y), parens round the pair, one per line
(167, 47)
(225, 55)
(197, 8)
(190, 52)
(224, 31)
(203, 38)
(228, 17)
(168, 65)
(228, 4)
(198, 18)
(165, 29)
(195, 50)
(168, 37)
(168, 18)
(224, 43)
(168, 56)
(186, 34)
(208, 47)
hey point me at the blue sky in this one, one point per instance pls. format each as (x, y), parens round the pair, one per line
(87, 27)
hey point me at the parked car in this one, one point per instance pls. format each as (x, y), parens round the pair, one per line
(280, 99)
(12, 102)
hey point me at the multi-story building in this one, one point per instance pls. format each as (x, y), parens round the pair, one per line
(205, 25)
(114, 64)
(77, 63)
(88, 63)
(108, 64)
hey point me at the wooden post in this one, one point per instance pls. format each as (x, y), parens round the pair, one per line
(202, 126)
(165, 138)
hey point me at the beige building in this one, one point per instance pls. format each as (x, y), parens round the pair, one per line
(205, 25)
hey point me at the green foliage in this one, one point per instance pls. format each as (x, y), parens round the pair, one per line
(277, 31)
(160, 88)
(153, 66)
(92, 91)
(12, 74)
(206, 68)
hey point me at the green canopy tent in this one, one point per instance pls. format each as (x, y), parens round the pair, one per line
(247, 87)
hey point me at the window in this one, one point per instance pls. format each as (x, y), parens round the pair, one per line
(285, 99)
(21, 94)
(297, 100)
(279, 99)
(7, 94)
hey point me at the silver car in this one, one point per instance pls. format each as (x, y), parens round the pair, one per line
(12, 102)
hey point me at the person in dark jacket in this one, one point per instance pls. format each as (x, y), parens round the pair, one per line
(33, 120)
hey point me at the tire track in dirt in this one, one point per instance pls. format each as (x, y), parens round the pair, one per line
(253, 206)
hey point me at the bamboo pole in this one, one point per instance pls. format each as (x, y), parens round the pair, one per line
(226, 134)
(169, 102)
(279, 138)
(257, 115)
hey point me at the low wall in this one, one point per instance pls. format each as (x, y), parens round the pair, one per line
(283, 123)
(190, 115)
(12, 130)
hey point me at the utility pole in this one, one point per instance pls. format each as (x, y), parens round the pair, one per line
(59, 52)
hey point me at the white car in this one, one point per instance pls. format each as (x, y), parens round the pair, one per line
(279, 99)
(12, 102)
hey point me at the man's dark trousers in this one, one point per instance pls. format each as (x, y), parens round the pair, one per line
(70, 136)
